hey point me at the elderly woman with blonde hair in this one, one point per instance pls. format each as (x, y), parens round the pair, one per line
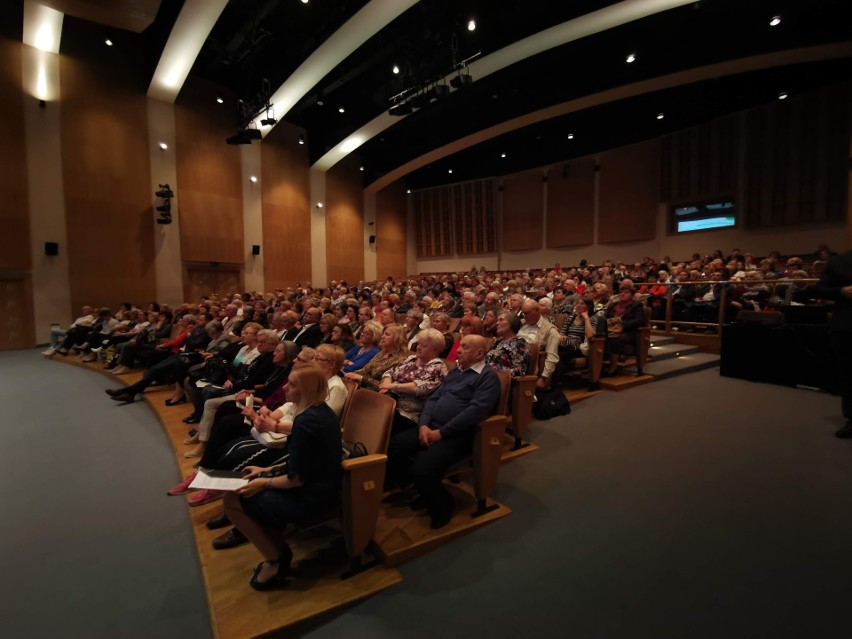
(413, 380)
(393, 349)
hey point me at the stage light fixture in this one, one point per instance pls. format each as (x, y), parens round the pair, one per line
(461, 81)
(301, 138)
(240, 137)
(420, 100)
(254, 134)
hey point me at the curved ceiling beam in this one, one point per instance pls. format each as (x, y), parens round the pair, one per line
(194, 23)
(681, 78)
(569, 31)
(361, 27)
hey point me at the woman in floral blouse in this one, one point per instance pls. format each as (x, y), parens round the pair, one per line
(413, 380)
(510, 352)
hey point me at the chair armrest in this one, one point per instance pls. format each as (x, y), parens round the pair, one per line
(363, 479)
(361, 462)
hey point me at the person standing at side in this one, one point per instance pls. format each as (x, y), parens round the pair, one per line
(835, 283)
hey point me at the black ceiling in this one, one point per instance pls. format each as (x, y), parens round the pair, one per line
(268, 39)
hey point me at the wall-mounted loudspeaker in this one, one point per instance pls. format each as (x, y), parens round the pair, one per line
(372, 239)
(255, 249)
(51, 248)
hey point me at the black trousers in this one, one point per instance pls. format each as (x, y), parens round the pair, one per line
(409, 462)
(163, 371)
(841, 343)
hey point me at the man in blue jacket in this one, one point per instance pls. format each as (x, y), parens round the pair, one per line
(448, 423)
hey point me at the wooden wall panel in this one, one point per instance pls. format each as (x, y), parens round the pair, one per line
(474, 216)
(391, 231)
(209, 188)
(629, 193)
(285, 178)
(433, 217)
(571, 204)
(16, 300)
(15, 239)
(344, 222)
(523, 211)
(203, 280)
(106, 176)
(796, 159)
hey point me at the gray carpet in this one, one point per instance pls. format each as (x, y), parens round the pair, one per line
(92, 546)
(695, 507)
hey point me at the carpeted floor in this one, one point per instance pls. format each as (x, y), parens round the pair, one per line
(696, 507)
(92, 546)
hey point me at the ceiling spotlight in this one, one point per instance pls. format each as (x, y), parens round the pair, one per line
(108, 42)
(341, 110)
(360, 168)
(254, 134)
(471, 25)
(408, 191)
(631, 57)
(240, 137)
(163, 146)
(305, 1)
(776, 20)
(502, 155)
(301, 138)
(782, 95)
(395, 69)
(449, 170)
(320, 103)
(461, 81)
(268, 121)
(220, 99)
(253, 179)
(319, 205)
(570, 136)
(660, 116)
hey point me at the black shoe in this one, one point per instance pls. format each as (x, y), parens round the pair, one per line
(440, 519)
(124, 397)
(230, 539)
(193, 432)
(112, 392)
(280, 578)
(844, 432)
(182, 400)
(219, 521)
(192, 419)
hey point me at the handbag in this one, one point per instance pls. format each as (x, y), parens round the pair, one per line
(584, 348)
(613, 327)
(269, 439)
(216, 371)
(354, 449)
(549, 404)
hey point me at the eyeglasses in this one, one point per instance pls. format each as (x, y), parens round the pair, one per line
(303, 360)
(321, 359)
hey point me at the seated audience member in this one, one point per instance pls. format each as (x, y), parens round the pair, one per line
(147, 340)
(629, 315)
(489, 323)
(578, 327)
(327, 323)
(271, 376)
(341, 336)
(218, 341)
(448, 421)
(414, 379)
(307, 489)
(358, 356)
(387, 316)
(330, 361)
(57, 335)
(537, 330)
(244, 371)
(469, 325)
(99, 331)
(164, 370)
(310, 334)
(393, 348)
(510, 352)
(441, 322)
(365, 314)
(413, 319)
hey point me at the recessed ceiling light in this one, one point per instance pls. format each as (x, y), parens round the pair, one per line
(408, 190)
(253, 179)
(782, 95)
(341, 110)
(570, 136)
(631, 57)
(320, 103)
(163, 146)
(471, 25)
(360, 168)
(301, 138)
(108, 42)
(660, 116)
(449, 170)
(776, 20)
(395, 69)
(219, 99)
(502, 155)
(305, 1)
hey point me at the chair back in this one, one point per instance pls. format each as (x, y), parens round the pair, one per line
(533, 367)
(454, 324)
(351, 386)
(505, 384)
(369, 419)
(559, 321)
(450, 364)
